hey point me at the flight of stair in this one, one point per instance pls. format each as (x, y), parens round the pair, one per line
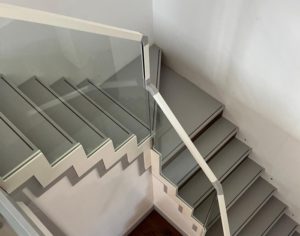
(53, 127)
(253, 210)
(49, 127)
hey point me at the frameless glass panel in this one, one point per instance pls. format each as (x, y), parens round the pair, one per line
(106, 76)
(5, 228)
(15, 148)
(179, 167)
(62, 87)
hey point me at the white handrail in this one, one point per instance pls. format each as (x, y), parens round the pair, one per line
(195, 153)
(47, 18)
(56, 20)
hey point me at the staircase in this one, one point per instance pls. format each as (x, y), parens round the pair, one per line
(50, 128)
(252, 207)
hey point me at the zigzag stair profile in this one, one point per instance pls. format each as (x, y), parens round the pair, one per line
(50, 128)
(252, 207)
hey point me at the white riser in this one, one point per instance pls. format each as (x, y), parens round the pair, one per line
(45, 173)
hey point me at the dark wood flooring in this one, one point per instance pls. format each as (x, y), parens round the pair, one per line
(154, 225)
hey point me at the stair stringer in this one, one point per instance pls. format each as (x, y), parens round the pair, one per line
(45, 174)
(170, 190)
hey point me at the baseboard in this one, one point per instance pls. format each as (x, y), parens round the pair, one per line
(139, 220)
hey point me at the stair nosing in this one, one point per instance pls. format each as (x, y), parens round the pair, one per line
(115, 101)
(230, 136)
(253, 213)
(221, 179)
(73, 110)
(238, 196)
(245, 189)
(117, 104)
(96, 105)
(293, 230)
(35, 151)
(43, 114)
(175, 150)
(274, 221)
(130, 134)
(70, 107)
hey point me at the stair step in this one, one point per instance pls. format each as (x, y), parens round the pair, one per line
(15, 149)
(208, 143)
(283, 227)
(106, 102)
(265, 218)
(198, 186)
(245, 208)
(127, 87)
(64, 115)
(233, 186)
(296, 234)
(192, 106)
(92, 112)
(34, 123)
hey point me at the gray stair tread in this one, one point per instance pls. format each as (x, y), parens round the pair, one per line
(233, 186)
(245, 207)
(207, 143)
(93, 113)
(15, 148)
(101, 98)
(127, 87)
(192, 106)
(34, 124)
(264, 219)
(198, 186)
(283, 227)
(64, 115)
(296, 234)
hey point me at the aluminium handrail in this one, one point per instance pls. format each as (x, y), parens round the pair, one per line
(42, 17)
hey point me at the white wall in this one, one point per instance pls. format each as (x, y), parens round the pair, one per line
(246, 54)
(109, 205)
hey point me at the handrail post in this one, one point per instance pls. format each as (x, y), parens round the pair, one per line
(194, 151)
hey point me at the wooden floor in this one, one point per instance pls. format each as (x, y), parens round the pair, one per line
(154, 225)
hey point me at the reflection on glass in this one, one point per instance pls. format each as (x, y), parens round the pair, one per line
(105, 72)
(5, 228)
